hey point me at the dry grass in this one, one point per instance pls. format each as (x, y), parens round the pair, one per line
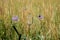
(49, 26)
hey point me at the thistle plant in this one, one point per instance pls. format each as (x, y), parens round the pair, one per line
(15, 19)
(41, 17)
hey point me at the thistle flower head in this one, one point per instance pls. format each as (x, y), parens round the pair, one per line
(40, 17)
(15, 18)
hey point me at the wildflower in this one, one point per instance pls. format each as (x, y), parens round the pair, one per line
(40, 17)
(15, 18)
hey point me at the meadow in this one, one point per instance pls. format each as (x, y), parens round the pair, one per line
(37, 19)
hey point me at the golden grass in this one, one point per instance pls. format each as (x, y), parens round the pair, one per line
(48, 8)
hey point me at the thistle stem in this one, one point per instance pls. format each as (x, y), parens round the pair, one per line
(17, 32)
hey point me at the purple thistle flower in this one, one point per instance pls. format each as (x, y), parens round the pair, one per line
(40, 17)
(15, 18)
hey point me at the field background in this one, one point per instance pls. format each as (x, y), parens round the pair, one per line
(49, 27)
